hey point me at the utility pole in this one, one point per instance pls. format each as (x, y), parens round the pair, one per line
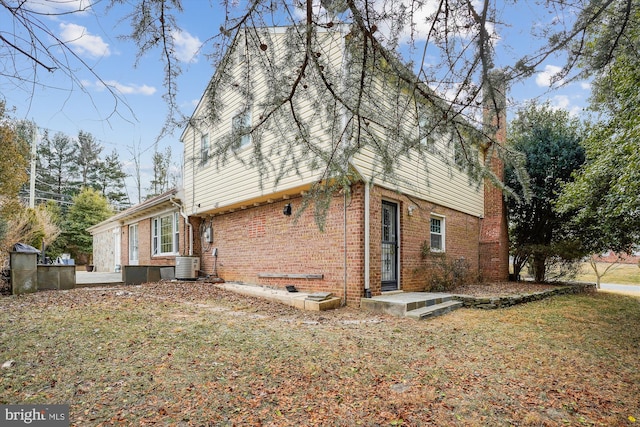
(32, 181)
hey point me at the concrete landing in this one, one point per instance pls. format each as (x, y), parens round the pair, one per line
(416, 305)
(298, 300)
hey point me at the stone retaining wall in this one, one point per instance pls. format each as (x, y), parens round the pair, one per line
(489, 303)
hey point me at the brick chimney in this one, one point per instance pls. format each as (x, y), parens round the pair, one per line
(494, 235)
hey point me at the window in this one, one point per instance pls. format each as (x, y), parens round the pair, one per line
(204, 149)
(437, 234)
(459, 154)
(241, 128)
(426, 132)
(165, 234)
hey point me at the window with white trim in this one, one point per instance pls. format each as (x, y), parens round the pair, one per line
(133, 244)
(241, 128)
(437, 233)
(165, 234)
(204, 149)
(426, 132)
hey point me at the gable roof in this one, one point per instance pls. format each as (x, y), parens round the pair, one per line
(144, 209)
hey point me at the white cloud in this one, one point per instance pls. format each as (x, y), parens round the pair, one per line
(186, 45)
(130, 89)
(545, 78)
(585, 85)
(82, 42)
(562, 102)
(53, 8)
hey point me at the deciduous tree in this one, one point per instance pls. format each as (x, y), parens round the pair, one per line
(603, 202)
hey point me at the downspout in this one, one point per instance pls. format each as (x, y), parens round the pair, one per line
(346, 163)
(186, 222)
(344, 290)
(367, 241)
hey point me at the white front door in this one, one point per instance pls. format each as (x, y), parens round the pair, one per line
(133, 244)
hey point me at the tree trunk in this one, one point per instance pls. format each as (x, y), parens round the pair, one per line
(539, 267)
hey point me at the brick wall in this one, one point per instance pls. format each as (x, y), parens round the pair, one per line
(612, 257)
(461, 239)
(263, 240)
(144, 244)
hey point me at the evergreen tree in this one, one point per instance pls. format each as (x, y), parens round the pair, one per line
(110, 181)
(89, 208)
(88, 158)
(550, 140)
(56, 169)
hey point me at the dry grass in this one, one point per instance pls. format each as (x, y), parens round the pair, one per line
(624, 274)
(191, 354)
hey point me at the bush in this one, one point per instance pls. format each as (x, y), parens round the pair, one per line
(443, 273)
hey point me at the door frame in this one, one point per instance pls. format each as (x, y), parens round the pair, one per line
(137, 244)
(392, 284)
(116, 248)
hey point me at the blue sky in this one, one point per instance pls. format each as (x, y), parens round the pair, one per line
(59, 104)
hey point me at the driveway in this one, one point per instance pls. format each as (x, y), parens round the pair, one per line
(624, 289)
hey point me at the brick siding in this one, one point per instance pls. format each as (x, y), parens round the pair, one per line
(263, 240)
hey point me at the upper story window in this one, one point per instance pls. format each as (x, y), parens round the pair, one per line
(165, 234)
(241, 128)
(426, 133)
(204, 149)
(459, 154)
(437, 233)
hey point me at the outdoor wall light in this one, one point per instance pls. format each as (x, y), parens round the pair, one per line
(287, 209)
(411, 209)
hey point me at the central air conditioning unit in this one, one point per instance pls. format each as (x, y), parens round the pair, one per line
(187, 267)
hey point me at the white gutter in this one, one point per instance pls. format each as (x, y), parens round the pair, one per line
(186, 222)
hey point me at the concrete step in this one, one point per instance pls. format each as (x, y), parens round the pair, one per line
(399, 304)
(434, 310)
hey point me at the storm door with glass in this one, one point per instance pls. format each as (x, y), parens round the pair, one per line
(389, 246)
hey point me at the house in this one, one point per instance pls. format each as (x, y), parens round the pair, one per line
(244, 184)
(149, 233)
(245, 180)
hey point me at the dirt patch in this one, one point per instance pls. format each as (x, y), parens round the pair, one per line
(498, 289)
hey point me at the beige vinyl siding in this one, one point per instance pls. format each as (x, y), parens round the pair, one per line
(433, 181)
(210, 187)
(425, 176)
(215, 186)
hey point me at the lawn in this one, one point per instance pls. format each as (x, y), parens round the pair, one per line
(192, 354)
(624, 274)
